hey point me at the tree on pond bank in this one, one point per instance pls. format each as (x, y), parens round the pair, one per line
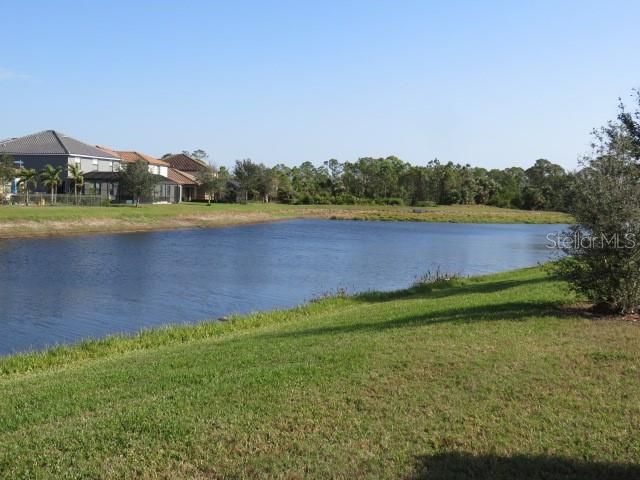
(28, 178)
(50, 177)
(213, 182)
(604, 245)
(137, 181)
(7, 171)
(76, 175)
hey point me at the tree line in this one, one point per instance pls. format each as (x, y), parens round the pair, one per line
(388, 181)
(391, 181)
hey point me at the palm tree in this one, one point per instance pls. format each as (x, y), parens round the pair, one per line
(77, 176)
(27, 177)
(50, 177)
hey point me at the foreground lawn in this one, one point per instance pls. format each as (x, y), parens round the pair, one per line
(34, 221)
(482, 378)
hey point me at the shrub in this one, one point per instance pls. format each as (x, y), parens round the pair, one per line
(345, 199)
(604, 245)
(425, 203)
(322, 199)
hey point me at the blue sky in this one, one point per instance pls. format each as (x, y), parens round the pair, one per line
(492, 84)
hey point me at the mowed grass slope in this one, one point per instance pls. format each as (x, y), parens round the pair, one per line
(20, 221)
(481, 377)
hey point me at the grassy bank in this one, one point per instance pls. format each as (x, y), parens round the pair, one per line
(481, 377)
(19, 221)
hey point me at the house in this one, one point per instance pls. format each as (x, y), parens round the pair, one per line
(185, 163)
(169, 186)
(187, 168)
(188, 184)
(101, 166)
(51, 147)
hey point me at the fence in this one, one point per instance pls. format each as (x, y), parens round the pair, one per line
(39, 198)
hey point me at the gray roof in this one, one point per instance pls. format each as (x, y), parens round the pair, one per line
(50, 142)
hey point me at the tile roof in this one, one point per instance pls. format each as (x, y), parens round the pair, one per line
(108, 150)
(181, 178)
(185, 163)
(130, 156)
(51, 142)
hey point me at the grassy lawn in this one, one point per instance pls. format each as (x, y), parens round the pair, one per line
(33, 221)
(479, 378)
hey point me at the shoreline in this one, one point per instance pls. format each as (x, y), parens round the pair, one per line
(175, 333)
(138, 229)
(325, 380)
(49, 222)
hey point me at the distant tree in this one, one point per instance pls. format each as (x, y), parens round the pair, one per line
(247, 174)
(136, 180)
(210, 182)
(28, 178)
(207, 182)
(335, 169)
(546, 181)
(510, 184)
(415, 184)
(266, 183)
(165, 156)
(76, 175)
(197, 154)
(604, 246)
(285, 192)
(7, 170)
(50, 177)
(200, 154)
(222, 182)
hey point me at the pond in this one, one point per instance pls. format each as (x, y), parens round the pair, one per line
(61, 290)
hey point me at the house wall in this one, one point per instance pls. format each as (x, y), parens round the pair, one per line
(159, 170)
(37, 162)
(95, 164)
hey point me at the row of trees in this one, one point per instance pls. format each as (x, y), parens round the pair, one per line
(544, 186)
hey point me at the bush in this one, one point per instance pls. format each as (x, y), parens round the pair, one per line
(604, 246)
(322, 200)
(425, 203)
(345, 199)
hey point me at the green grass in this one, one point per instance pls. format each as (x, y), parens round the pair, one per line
(478, 378)
(37, 221)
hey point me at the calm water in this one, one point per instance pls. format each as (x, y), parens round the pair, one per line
(65, 289)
